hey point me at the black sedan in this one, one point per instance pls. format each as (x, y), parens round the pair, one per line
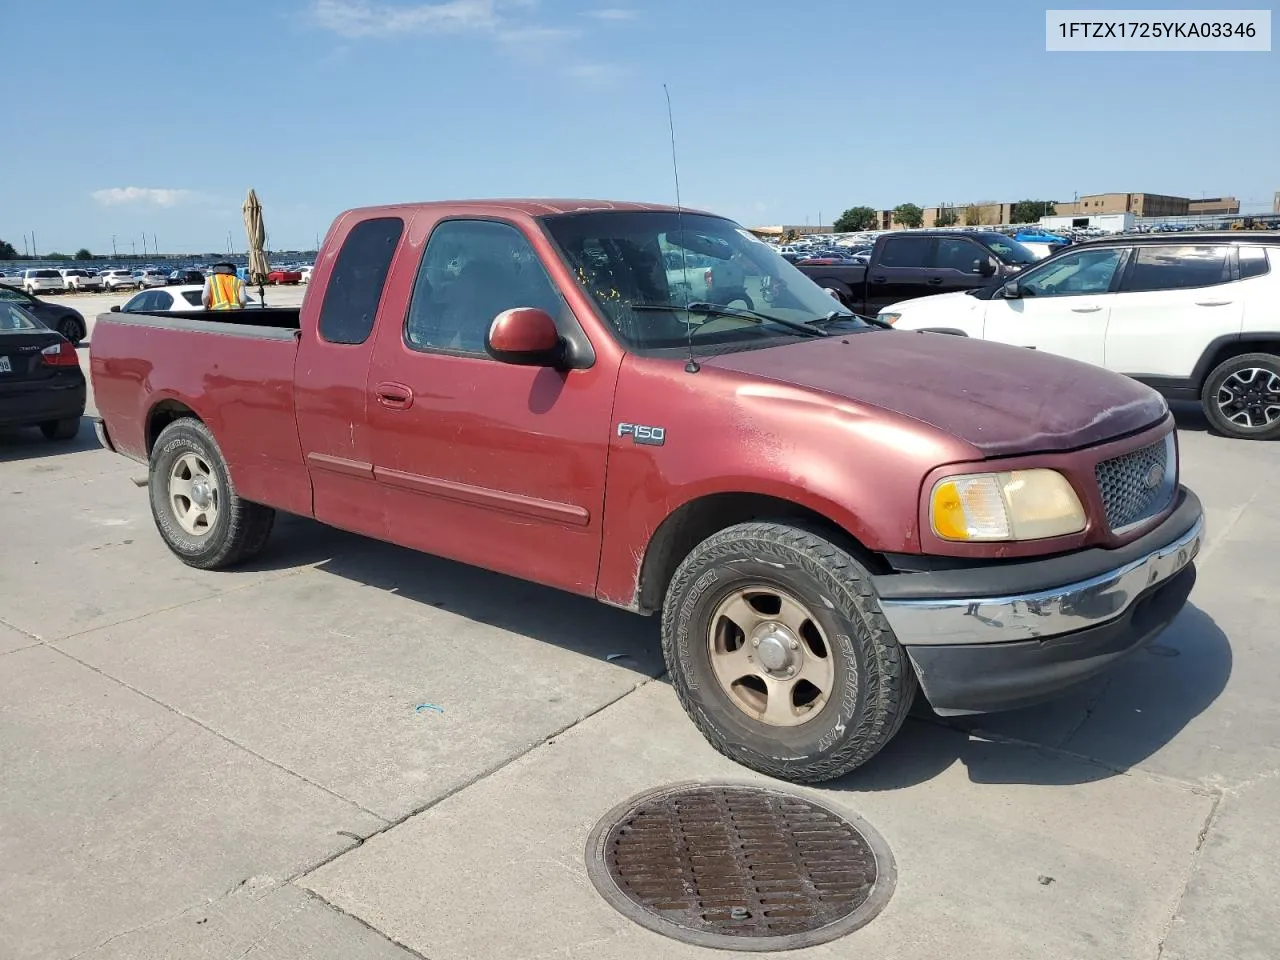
(41, 383)
(183, 277)
(66, 320)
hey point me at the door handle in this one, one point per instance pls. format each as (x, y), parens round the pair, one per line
(1213, 303)
(934, 280)
(877, 279)
(1093, 308)
(395, 396)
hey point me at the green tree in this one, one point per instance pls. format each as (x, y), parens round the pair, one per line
(1030, 211)
(947, 217)
(855, 219)
(6, 251)
(972, 215)
(908, 214)
(57, 256)
(84, 254)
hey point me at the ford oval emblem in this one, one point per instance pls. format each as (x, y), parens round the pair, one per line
(1154, 476)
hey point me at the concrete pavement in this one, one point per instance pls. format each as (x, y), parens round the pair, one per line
(349, 750)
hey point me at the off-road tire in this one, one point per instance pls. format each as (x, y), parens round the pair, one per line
(875, 684)
(1209, 403)
(241, 528)
(65, 429)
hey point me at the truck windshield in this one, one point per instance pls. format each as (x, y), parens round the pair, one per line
(1010, 251)
(632, 262)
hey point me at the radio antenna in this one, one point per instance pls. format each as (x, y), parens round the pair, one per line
(692, 365)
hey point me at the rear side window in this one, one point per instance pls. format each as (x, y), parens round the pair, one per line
(905, 252)
(355, 285)
(1253, 262)
(1177, 268)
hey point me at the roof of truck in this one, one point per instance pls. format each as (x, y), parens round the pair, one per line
(533, 207)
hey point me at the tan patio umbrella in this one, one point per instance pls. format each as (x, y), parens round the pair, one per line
(257, 233)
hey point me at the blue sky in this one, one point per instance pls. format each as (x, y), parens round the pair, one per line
(783, 111)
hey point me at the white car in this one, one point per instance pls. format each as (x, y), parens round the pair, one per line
(306, 273)
(36, 281)
(78, 279)
(118, 280)
(1195, 316)
(168, 300)
(150, 277)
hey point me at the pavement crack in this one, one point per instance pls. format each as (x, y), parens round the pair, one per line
(1209, 820)
(18, 629)
(217, 733)
(484, 774)
(368, 926)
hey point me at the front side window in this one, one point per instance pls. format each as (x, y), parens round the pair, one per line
(1169, 267)
(354, 290)
(905, 252)
(162, 301)
(471, 271)
(1010, 251)
(1073, 274)
(138, 304)
(957, 253)
(643, 269)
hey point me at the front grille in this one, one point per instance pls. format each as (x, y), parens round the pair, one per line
(1136, 486)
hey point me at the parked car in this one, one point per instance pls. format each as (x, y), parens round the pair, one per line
(37, 280)
(914, 263)
(284, 275)
(185, 277)
(161, 301)
(41, 383)
(1196, 316)
(150, 277)
(67, 321)
(700, 277)
(119, 280)
(305, 274)
(825, 511)
(81, 280)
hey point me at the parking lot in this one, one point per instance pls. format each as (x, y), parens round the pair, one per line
(349, 750)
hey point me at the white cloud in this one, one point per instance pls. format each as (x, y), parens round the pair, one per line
(360, 18)
(595, 71)
(160, 197)
(613, 13)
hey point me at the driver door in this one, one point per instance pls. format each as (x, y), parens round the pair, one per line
(1065, 305)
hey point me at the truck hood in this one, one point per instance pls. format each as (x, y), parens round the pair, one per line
(1002, 400)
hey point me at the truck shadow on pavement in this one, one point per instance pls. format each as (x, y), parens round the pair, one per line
(1189, 415)
(28, 443)
(1115, 722)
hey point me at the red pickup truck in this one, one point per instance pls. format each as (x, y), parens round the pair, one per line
(825, 512)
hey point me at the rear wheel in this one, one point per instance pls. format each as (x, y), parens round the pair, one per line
(1241, 397)
(194, 501)
(780, 655)
(67, 429)
(72, 329)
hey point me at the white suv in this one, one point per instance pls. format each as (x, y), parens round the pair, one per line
(36, 281)
(1196, 316)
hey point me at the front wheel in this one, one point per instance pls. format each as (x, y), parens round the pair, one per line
(1241, 397)
(194, 501)
(779, 653)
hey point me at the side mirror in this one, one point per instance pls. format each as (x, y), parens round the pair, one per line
(116, 308)
(526, 337)
(1011, 291)
(985, 267)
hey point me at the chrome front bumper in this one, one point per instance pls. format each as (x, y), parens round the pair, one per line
(1036, 616)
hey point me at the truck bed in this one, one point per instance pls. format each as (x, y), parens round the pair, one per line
(234, 372)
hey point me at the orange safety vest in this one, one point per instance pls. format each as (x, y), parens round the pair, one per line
(224, 291)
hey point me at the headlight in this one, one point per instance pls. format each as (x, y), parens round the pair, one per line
(889, 317)
(1017, 505)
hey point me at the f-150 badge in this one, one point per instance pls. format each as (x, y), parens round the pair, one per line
(639, 433)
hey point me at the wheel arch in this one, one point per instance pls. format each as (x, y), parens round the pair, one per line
(699, 518)
(163, 413)
(1224, 348)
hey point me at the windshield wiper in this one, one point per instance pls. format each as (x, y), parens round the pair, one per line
(835, 315)
(741, 313)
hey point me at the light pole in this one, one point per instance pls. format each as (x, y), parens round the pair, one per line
(113, 246)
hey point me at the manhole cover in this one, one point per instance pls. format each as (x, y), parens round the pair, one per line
(740, 867)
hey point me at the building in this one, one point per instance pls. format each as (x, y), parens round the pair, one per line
(1275, 205)
(1148, 205)
(1107, 222)
(1214, 206)
(794, 230)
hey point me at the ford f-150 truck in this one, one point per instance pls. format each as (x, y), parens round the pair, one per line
(919, 263)
(824, 511)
